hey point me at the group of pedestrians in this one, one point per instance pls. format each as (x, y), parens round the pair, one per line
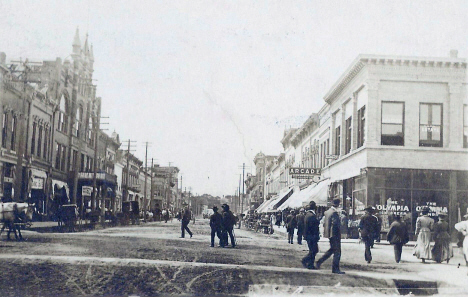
(222, 226)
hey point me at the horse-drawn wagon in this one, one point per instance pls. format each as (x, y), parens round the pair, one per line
(68, 215)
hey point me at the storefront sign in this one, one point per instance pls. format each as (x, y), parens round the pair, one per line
(37, 183)
(434, 210)
(86, 191)
(303, 176)
(99, 176)
(304, 171)
(8, 179)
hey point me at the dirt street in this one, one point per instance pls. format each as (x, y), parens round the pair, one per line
(150, 260)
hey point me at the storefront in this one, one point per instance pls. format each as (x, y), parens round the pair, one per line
(105, 190)
(8, 181)
(405, 192)
(38, 179)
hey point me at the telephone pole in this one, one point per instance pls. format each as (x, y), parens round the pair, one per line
(144, 192)
(127, 174)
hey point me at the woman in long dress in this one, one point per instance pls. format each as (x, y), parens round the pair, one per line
(442, 250)
(424, 226)
(462, 227)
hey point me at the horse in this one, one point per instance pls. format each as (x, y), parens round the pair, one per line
(14, 213)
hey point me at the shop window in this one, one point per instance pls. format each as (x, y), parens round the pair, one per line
(349, 133)
(39, 142)
(465, 126)
(361, 126)
(425, 179)
(337, 140)
(33, 139)
(437, 201)
(393, 123)
(83, 162)
(14, 122)
(397, 178)
(462, 181)
(4, 130)
(430, 125)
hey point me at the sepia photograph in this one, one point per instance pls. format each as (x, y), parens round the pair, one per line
(233, 148)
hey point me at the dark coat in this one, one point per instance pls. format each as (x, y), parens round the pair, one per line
(300, 223)
(216, 221)
(369, 225)
(332, 224)
(229, 220)
(441, 230)
(311, 227)
(398, 233)
(187, 216)
(291, 222)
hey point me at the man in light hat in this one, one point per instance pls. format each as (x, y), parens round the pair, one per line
(368, 227)
(332, 225)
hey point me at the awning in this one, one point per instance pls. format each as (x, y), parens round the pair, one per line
(60, 184)
(268, 204)
(282, 197)
(261, 206)
(319, 193)
(296, 199)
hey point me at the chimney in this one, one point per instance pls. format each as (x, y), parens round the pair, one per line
(2, 58)
(453, 53)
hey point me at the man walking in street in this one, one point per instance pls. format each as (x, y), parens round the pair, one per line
(311, 235)
(368, 228)
(216, 222)
(300, 225)
(291, 224)
(228, 225)
(186, 217)
(332, 224)
(398, 236)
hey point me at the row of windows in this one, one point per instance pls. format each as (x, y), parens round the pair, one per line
(10, 123)
(86, 164)
(430, 124)
(40, 141)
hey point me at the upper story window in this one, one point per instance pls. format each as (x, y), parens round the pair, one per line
(14, 122)
(430, 124)
(33, 139)
(349, 133)
(90, 131)
(393, 123)
(78, 121)
(361, 126)
(465, 126)
(63, 115)
(337, 140)
(5, 130)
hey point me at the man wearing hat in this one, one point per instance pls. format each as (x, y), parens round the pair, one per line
(398, 236)
(229, 220)
(332, 224)
(300, 225)
(368, 227)
(216, 222)
(311, 235)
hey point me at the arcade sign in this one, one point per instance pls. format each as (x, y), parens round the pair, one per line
(304, 173)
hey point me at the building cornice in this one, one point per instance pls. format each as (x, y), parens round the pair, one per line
(363, 60)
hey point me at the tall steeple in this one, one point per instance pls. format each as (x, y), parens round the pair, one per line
(76, 43)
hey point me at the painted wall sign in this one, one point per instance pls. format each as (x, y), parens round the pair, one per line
(304, 171)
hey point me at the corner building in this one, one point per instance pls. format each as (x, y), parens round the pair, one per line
(397, 133)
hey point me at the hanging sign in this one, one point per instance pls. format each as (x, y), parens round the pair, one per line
(304, 171)
(86, 191)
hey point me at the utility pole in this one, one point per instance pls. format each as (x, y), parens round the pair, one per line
(144, 192)
(243, 183)
(239, 194)
(151, 186)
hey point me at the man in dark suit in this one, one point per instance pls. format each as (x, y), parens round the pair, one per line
(186, 217)
(368, 228)
(300, 225)
(332, 224)
(216, 222)
(311, 235)
(398, 236)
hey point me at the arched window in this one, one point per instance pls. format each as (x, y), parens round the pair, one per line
(63, 115)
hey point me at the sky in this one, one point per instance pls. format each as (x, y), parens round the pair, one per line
(211, 83)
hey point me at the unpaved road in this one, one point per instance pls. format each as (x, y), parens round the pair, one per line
(151, 260)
